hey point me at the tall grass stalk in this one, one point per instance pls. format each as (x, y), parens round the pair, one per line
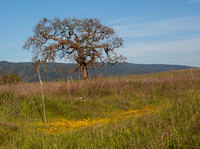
(43, 100)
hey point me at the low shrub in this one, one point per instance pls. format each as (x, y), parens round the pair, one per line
(10, 79)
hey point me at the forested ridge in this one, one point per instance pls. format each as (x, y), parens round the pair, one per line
(25, 71)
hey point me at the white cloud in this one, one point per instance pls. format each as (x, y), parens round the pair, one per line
(179, 46)
(159, 27)
(165, 41)
(182, 52)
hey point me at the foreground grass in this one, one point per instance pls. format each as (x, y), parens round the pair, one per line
(101, 119)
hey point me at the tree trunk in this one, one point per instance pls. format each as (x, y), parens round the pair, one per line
(84, 71)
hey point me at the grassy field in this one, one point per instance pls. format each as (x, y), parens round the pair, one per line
(145, 111)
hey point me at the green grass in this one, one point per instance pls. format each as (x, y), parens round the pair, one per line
(177, 125)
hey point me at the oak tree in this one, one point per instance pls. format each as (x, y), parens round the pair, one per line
(84, 41)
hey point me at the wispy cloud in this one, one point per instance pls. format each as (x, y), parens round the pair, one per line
(179, 46)
(195, 1)
(182, 52)
(125, 20)
(119, 20)
(159, 27)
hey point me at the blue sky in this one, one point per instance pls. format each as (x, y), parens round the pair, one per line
(154, 31)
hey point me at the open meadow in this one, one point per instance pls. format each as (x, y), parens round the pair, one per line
(142, 111)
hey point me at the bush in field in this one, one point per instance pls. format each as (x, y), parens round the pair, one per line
(0, 71)
(10, 79)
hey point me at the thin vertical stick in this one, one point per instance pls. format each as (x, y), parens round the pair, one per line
(43, 102)
(192, 74)
(68, 84)
(72, 79)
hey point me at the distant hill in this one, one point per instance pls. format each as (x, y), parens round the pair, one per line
(26, 73)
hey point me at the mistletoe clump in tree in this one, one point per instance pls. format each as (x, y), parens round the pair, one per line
(86, 41)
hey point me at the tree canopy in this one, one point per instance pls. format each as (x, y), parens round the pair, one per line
(86, 42)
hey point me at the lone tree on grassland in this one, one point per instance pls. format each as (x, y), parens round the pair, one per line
(86, 41)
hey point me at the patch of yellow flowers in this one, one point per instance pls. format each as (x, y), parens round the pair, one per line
(63, 125)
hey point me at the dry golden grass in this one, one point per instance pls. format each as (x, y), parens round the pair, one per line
(149, 80)
(112, 104)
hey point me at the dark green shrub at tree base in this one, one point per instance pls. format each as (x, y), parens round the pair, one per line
(10, 79)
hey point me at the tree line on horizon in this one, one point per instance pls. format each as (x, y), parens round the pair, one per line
(27, 74)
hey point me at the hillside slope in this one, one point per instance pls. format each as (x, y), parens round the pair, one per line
(25, 71)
